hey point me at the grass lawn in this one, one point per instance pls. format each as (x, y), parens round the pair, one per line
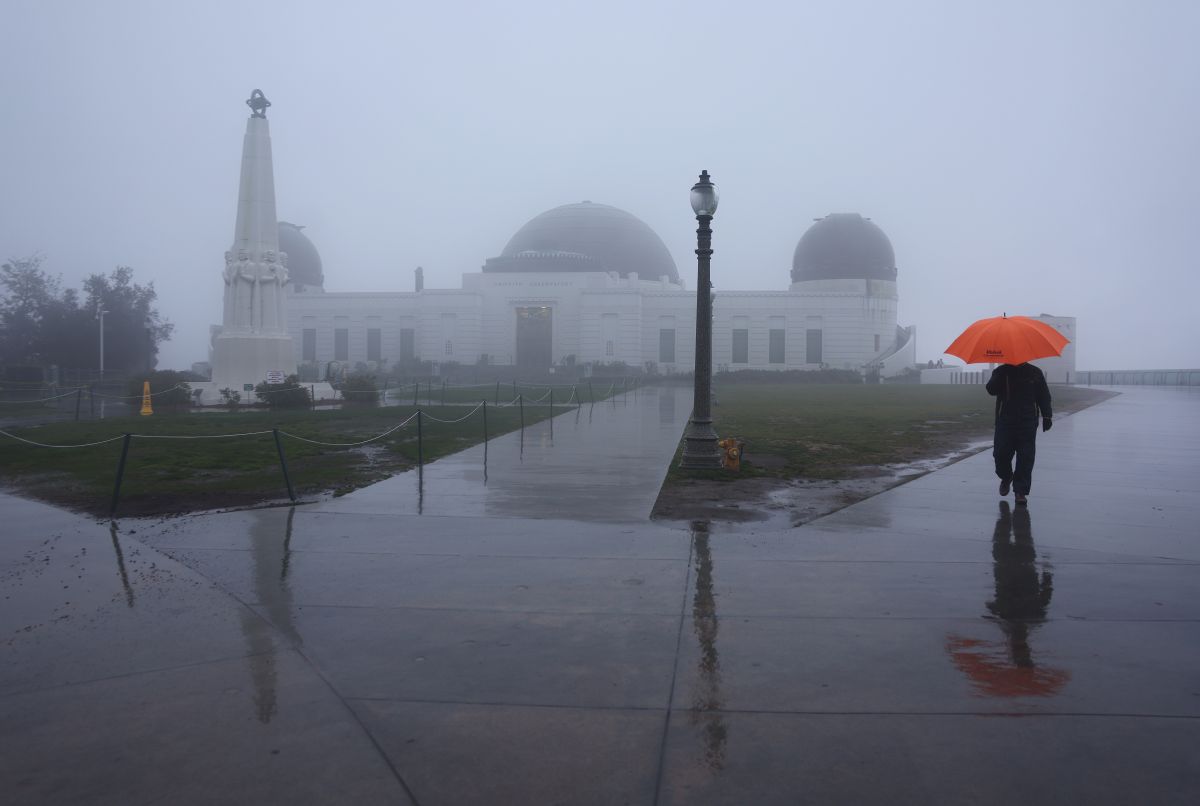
(180, 475)
(834, 431)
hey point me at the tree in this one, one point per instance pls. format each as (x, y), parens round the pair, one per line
(41, 324)
(133, 326)
(27, 294)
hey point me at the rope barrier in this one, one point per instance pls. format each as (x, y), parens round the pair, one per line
(47, 445)
(138, 397)
(200, 436)
(42, 399)
(514, 402)
(391, 430)
(459, 420)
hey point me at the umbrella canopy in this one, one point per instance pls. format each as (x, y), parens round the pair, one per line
(1007, 340)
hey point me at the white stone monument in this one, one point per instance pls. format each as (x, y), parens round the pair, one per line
(253, 341)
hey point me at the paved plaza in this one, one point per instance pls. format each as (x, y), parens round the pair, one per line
(535, 639)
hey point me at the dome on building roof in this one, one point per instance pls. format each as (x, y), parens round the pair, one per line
(303, 260)
(844, 246)
(586, 237)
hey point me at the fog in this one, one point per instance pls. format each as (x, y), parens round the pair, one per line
(1022, 157)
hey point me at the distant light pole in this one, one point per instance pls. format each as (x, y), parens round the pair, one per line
(100, 316)
(700, 440)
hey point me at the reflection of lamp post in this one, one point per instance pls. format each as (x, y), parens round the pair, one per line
(100, 316)
(700, 440)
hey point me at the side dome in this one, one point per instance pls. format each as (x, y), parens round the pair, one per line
(303, 260)
(843, 246)
(586, 237)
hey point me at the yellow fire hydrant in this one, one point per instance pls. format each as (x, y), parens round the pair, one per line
(731, 453)
(147, 409)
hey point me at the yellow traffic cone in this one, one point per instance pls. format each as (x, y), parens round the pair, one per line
(147, 409)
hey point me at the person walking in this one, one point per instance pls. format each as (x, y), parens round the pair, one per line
(1022, 397)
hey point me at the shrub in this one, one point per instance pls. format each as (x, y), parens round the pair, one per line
(360, 389)
(230, 399)
(287, 395)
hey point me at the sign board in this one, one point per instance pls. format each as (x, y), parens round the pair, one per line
(247, 387)
(274, 376)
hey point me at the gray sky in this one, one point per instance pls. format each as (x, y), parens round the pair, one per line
(1022, 157)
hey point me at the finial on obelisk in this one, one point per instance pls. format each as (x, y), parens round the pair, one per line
(258, 104)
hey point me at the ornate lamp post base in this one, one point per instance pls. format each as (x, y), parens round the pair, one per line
(700, 450)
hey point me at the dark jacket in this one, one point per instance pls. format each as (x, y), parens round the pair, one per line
(1021, 393)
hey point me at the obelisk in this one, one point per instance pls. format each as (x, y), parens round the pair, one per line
(253, 344)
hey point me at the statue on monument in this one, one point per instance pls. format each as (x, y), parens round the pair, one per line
(258, 104)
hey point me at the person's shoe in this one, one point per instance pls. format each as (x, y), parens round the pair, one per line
(1005, 486)
(1021, 500)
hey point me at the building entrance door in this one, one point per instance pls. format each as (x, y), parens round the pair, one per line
(534, 330)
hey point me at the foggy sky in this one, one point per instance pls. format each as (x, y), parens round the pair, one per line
(1022, 157)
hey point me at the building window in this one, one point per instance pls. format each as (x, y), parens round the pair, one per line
(408, 342)
(608, 347)
(876, 342)
(309, 344)
(341, 344)
(775, 346)
(666, 346)
(741, 346)
(449, 331)
(814, 347)
(374, 344)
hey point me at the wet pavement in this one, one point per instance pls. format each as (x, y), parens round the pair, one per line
(598, 462)
(931, 644)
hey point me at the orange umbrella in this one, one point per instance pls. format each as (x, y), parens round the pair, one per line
(1007, 340)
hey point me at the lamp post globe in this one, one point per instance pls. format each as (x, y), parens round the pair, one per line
(705, 197)
(700, 440)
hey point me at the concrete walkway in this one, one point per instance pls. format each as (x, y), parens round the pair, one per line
(929, 645)
(599, 462)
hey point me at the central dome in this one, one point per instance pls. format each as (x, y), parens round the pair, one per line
(844, 246)
(586, 237)
(303, 260)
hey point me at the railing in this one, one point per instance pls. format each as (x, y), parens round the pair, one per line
(1137, 377)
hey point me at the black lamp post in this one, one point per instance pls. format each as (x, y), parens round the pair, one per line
(700, 440)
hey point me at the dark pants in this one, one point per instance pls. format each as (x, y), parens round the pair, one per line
(1019, 439)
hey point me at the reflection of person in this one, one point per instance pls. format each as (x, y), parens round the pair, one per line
(1022, 594)
(1022, 396)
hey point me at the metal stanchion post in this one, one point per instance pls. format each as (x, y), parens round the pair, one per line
(416, 389)
(591, 392)
(78, 400)
(420, 446)
(497, 401)
(283, 464)
(312, 396)
(521, 403)
(116, 496)
(551, 412)
(514, 388)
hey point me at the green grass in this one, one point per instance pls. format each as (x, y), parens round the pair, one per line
(505, 392)
(835, 431)
(180, 475)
